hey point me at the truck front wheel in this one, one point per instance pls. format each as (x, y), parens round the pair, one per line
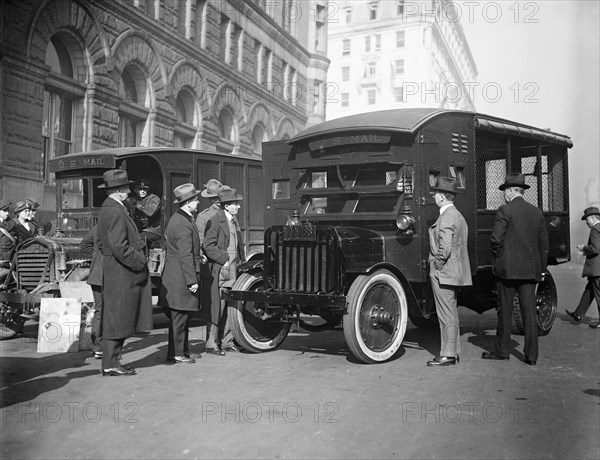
(377, 313)
(252, 331)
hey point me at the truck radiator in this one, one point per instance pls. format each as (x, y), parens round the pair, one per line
(303, 259)
(33, 267)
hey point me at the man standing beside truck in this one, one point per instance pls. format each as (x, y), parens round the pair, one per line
(520, 248)
(449, 268)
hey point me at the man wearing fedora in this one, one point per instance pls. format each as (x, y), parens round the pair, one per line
(519, 244)
(591, 267)
(147, 211)
(181, 275)
(126, 291)
(449, 268)
(211, 190)
(224, 249)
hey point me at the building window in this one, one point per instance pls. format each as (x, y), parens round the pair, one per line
(185, 113)
(258, 58)
(400, 7)
(371, 69)
(367, 43)
(346, 47)
(258, 137)
(294, 89)
(153, 9)
(399, 94)
(133, 115)
(345, 99)
(399, 66)
(200, 24)
(377, 42)
(62, 123)
(346, 73)
(227, 132)
(316, 96)
(373, 10)
(348, 15)
(267, 67)
(225, 39)
(238, 47)
(319, 27)
(182, 18)
(400, 36)
(371, 97)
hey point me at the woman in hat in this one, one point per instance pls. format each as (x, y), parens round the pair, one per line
(7, 240)
(23, 229)
(126, 291)
(181, 275)
(224, 249)
(591, 267)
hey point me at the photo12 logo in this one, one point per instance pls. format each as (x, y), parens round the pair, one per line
(271, 412)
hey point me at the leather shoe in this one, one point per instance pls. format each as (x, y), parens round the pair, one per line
(118, 371)
(215, 351)
(530, 362)
(493, 355)
(443, 361)
(184, 360)
(97, 354)
(595, 325)
(233, 349)
(575, 316)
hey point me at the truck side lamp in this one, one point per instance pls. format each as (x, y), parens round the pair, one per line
(61, 261)
(405, 221)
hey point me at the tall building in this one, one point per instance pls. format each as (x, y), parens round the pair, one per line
(219, 75)
(393, 53)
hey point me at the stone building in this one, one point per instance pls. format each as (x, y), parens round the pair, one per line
(393, 53)
(217, 75)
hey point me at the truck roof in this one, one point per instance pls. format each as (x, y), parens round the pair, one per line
(410, 120)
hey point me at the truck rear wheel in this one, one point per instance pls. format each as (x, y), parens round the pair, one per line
(546, 305)
(250, 330)
(377, 313)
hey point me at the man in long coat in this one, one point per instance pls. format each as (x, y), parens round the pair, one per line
(449, 268)
(126, 293)
(181, 275)
(591, 267)
(224, 248)
(520, 248)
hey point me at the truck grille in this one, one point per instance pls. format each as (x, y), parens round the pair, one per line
(302, 263)
(33, 265)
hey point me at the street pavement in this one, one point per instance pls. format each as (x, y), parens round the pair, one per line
(311, 398)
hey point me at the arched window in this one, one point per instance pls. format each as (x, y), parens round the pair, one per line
(187, 119)
(133, 111)
(62, 123)
(227, 132)
(258, 137)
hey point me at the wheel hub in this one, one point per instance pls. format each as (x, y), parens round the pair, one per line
(380, 317)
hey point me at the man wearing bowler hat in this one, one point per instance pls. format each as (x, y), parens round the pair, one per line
(224, 249)
(591, 267)
(520, 248)
(449, 268)
(181, 275)
(126, 292)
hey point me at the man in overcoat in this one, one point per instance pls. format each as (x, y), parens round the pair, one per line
(126, 293)
(591, 267)
(449, 268)
(520, 247)
(224, 248)
(181, 275)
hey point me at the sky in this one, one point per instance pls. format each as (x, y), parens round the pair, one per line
(543, 57)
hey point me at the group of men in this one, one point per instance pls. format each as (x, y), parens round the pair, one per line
(202, 254)
(520, 248)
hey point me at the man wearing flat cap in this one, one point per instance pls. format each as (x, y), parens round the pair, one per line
(449, 268)
(520, 249)
(224, 248)
(126, 292)
(181, 276)
(147, 211)
(591, 267)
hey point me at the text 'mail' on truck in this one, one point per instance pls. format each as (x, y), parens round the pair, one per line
(356, 254)
(40, 264)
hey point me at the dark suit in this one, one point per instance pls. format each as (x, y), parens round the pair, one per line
(520, 247)
(591, 270)
(126, 291)
(22, 233)
(215, 244)
(449, 269)
(182, 269)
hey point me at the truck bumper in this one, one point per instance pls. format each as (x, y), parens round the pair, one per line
(337, 302)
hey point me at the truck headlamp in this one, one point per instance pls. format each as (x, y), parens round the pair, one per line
(405, 222)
